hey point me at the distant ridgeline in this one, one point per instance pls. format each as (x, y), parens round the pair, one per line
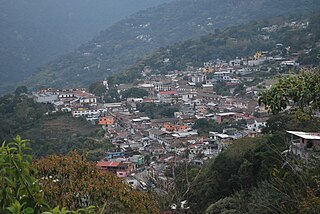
(134, 37)
(299, 33)
(33, 32)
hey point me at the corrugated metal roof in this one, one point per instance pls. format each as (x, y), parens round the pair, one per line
(306, 135)
(226, 114)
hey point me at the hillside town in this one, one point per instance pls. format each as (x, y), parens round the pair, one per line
(160, 106)
(169, 123)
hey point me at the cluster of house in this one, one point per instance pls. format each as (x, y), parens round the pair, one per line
(77, 101)
(65, 97)
(147, 146)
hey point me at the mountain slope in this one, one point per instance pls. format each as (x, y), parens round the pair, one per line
(297, 32)
(131, 38)
(33, 32)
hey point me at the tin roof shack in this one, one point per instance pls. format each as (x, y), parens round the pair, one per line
(221, 117)
(304, 144)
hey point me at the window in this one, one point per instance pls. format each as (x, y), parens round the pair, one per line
(309, 144)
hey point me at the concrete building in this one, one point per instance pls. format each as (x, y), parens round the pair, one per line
(45, 97)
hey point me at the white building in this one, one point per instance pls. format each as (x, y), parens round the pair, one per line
(199, 78)
(289, 63)
(82, 112)
(235, 63)
(158, 86)
(256, 62)
(220, 75)
(256, 125)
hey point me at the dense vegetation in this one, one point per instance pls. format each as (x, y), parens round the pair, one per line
(157, 111)
(302, 89)
(76, 183)
(134, 93)
(56, 133)
(97, 88)
(205, 126)
(250, 176)
(33, 32)
(289, 121)
(233, 42)
(130, 39)
(258, 175)
(18, 112)
(62, 181)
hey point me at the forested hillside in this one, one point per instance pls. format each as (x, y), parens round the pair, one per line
(35, 31)
(297, 32)
(55, 133)
(251, 176)
(145, 31)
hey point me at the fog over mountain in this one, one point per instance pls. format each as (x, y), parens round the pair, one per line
(35, 31)
(133, 38)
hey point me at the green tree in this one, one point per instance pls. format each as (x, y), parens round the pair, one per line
(18, 113)
(245, 163)
(303, 90)
(21, 89)
(286, 121)
(97, 88)
(168, 111)
(135, 93)
(202, 125)
(240, 89)
(158, 110)
(112, 96)
(222, 89)
(224, 205)
(71, 181)
(62, 180)
(19, 190)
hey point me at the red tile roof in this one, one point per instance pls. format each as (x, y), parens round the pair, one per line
(167, 92)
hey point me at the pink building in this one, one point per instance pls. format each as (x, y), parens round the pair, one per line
(121, 169)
